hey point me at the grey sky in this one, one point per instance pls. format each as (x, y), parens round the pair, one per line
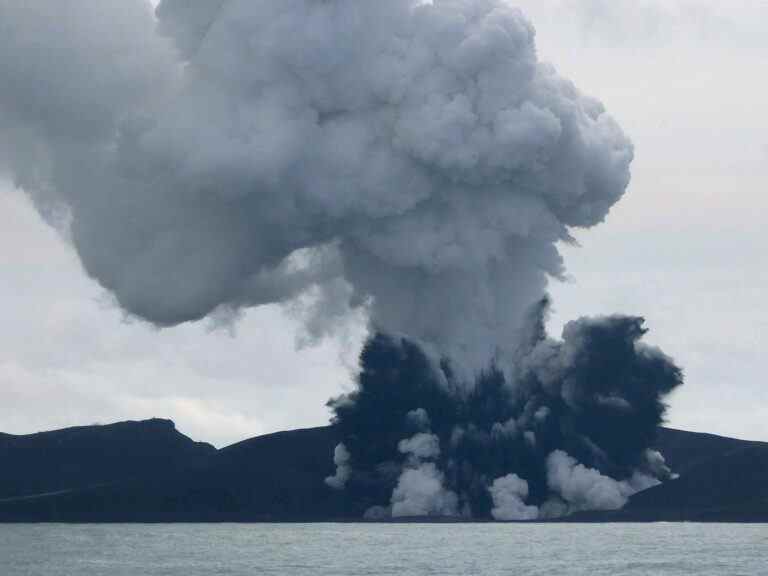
(683, 248)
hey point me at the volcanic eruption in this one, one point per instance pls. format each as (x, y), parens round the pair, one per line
(413, 160)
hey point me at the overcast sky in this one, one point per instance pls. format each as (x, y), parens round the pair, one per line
(684, 248)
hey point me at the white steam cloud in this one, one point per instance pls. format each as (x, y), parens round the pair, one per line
(341, 458)
(420, 446)
(509, 494)
(420, 489)
(573, 488)
(420, 492)
(411, 158)
(583, 488)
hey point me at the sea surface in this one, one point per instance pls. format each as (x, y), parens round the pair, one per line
(401, 549)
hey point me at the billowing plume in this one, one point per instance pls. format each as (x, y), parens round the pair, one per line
(509, 494)
(343, 470)
(568, 429)
(408, 157)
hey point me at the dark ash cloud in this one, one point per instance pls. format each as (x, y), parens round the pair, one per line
(539, 442)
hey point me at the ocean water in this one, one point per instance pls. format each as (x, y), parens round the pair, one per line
(381, 549)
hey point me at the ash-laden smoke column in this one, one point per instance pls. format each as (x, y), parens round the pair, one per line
(569, 428)
(410, 159)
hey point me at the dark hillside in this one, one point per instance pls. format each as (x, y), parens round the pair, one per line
(721, 480)
(148, 472)
(684, 449)
(274, 477)
(730, 487)
(74, 458)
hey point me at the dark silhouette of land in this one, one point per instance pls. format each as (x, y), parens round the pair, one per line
(76, 458)
(149, 472)
(721, 480)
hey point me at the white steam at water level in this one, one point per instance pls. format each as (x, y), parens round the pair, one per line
(413, 158)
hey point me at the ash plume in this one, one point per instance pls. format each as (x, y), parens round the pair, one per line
(569, 429)
(411, 159)
(404, 156)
